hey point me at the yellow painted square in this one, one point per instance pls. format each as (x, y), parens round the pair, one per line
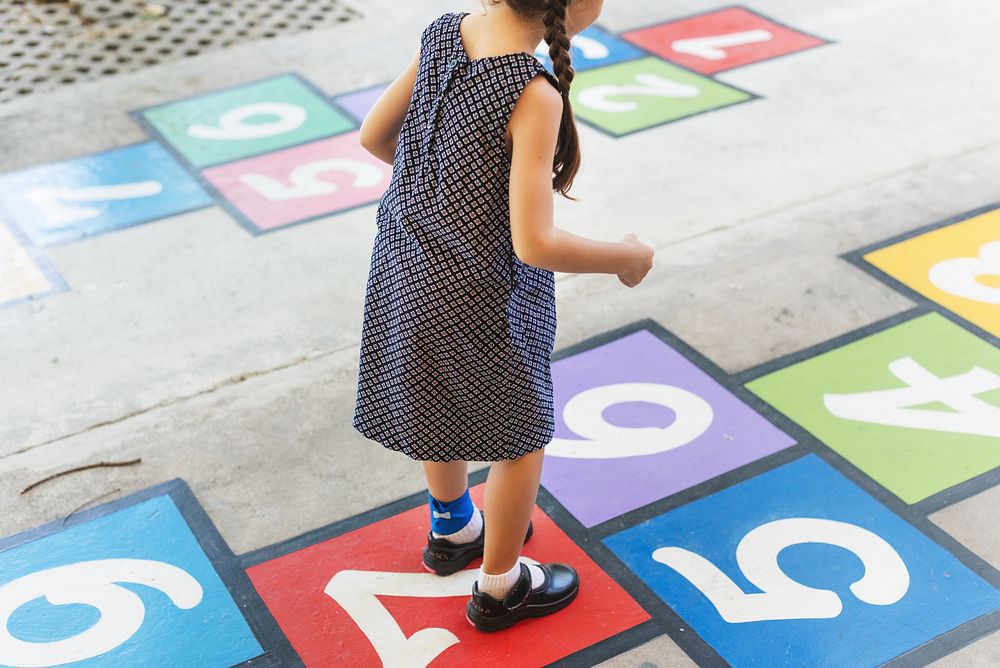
(19, 275)
(957, 266)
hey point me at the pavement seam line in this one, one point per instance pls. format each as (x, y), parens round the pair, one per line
(244, 376)
(233, 380)
(810, 200)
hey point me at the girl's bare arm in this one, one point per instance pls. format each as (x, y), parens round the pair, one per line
(534, 128)
(380, 129)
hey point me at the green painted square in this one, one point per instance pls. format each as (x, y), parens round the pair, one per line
(641, 93)
(247, 120)
(914, 443)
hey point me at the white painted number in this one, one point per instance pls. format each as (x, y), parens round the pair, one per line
(233, 126)
(583, 414)
(884, 582)
(710, 47)
(357, 591)
(647, 83)
(56, 214)
(959, 276)
(92, 583)
(591, 48)
(894, 407)
(305, 181)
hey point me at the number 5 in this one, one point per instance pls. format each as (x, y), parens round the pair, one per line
(885, 581)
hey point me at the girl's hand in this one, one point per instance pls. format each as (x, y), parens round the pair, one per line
(641, 261)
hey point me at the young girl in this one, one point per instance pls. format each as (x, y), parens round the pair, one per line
(459, 315)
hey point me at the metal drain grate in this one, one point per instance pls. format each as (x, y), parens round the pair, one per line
(45, 44)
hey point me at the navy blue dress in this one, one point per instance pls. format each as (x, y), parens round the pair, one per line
(457, 332)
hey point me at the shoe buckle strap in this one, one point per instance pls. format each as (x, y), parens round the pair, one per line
(525, 582)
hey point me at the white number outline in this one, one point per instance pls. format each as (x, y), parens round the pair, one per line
(885, 580)
(357, 591)
(94, 583)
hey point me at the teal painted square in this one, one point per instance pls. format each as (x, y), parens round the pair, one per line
(799, 566)
(152, 597)
(645, 92)
(246, 120)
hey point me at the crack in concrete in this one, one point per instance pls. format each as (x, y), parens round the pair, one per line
(233, 380)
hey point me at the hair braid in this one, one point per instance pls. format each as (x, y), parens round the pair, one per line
(566, 161)
(555, 37)
(567, 157)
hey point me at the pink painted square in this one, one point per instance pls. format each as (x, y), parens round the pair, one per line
(302, 182)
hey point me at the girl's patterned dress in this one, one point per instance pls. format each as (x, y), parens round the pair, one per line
(457, 331)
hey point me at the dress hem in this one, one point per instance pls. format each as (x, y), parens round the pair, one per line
(396, 446)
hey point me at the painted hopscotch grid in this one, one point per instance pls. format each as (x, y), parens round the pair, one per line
(731, 17)
(915, 515)
(663, 619)
(683, 74)
(345, 112)
(919, 509)
(879, 400)
(25, 272)
(690, 94)
(183, 556)
(605, 59)
(358, 102)
(69, 200)
(259, 202)
(629, 627)
(857, 258)
(304, 113)
(676, 420)
(594, 46)
(716, 562)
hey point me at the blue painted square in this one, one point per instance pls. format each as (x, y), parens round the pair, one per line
(593, 47)
(93, 194)
(163, 602)
(913, 591)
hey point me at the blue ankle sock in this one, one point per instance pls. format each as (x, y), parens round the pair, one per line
(449, 517)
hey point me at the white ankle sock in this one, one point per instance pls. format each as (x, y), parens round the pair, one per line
(469, 532)
(499, 585)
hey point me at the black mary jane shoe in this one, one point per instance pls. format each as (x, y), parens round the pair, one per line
(559, 588)
(444, 557)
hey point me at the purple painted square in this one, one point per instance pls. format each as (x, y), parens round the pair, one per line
(359, 102)
(636, 422)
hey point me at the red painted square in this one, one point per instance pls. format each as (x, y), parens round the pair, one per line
(720, 40)
(420, 617)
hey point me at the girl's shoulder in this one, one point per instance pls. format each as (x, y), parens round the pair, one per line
(441, 23)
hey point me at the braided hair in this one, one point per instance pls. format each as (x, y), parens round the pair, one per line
(566, 161)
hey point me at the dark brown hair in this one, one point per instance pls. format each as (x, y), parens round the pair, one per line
(566, 162)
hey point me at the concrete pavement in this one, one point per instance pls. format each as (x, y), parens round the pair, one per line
(227, 358)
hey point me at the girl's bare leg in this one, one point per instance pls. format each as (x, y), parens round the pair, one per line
(446, 481)
(511, 490)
